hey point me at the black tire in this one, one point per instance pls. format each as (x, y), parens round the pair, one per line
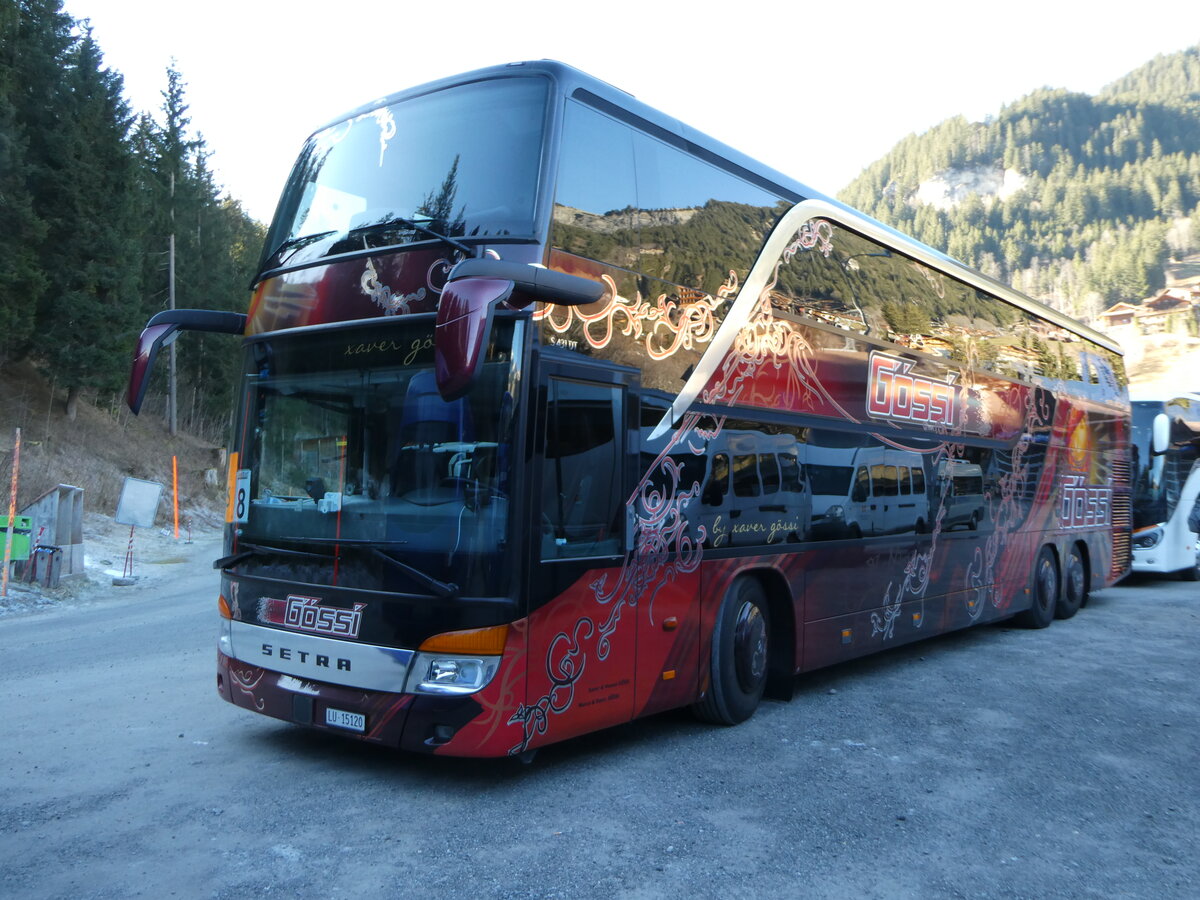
(1074, 587)
(740, 648)
(1045, 592)
(1192, 574)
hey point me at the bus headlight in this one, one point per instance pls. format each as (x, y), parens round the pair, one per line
(457, 662)
(436, 674)
(836, 512)
(1145, 540)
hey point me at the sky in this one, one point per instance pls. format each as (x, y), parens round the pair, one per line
(819, 91)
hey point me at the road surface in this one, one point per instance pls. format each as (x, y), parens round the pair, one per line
(994, 762)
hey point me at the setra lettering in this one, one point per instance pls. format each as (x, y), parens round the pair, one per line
(319, 660)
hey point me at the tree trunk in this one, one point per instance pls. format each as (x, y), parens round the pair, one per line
(72, 402)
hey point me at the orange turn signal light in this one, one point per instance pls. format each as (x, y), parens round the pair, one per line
(481, 641)
(223, 606)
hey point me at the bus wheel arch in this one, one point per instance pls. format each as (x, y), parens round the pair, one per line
(1044, 588)
(781, 660)
(739, 661)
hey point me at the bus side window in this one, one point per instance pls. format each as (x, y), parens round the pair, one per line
(718, 482)
(884, 478)
(768, 471)
(790, 469)
(745, 476)
(581, 477)
(862, 486)
(918, 481)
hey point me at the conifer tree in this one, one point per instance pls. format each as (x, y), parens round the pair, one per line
(86, 317)
(21, 276)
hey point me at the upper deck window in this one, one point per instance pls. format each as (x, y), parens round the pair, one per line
(628, 199)
(463, 162)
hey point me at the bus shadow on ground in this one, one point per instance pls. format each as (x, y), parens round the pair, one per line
(317, 747)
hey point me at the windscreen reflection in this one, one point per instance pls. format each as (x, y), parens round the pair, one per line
(348, 448)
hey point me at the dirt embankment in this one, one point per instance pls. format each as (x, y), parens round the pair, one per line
(99, 449)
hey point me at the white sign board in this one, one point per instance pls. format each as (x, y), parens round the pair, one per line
(139, 502)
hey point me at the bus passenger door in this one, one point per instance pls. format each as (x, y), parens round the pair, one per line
(582, 626)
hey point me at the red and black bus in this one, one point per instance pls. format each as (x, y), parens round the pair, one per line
(557, 413)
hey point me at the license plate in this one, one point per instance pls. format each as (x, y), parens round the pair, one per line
(339, 718)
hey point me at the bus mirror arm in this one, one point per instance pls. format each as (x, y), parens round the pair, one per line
(1160, 435)
(164, 328)
(474, 288)
(533, 283)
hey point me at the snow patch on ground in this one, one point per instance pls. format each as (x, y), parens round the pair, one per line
(157, 556)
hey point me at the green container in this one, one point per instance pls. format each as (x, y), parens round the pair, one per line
(21, 537)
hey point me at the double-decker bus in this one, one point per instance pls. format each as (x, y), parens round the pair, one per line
(1166, 482)
(557, 413)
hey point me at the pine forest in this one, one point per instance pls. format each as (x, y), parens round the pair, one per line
(92, 194)
(1078, 200)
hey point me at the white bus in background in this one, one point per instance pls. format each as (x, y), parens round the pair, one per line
(1166, 481)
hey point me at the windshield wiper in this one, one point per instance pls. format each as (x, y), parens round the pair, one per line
(293, 244)
(445, 590)
(250, 550)
(417, 226)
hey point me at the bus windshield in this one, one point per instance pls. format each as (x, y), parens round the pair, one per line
(1158, 481)
(459, 162)
(1149, 498)
(346, 442)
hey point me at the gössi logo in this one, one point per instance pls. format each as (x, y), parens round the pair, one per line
(307, 614)
(894, 391)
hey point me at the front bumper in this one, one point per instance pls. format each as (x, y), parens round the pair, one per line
(297, 678)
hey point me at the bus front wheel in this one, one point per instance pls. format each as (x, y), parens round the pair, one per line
(738, 663)
(1045, 592)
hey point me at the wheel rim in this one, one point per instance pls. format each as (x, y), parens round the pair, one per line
(1047, 589)
(750, 647)
(1075, 580)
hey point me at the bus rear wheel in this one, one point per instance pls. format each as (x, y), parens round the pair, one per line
(1045, 592)
(1074, 593)
(740, 647)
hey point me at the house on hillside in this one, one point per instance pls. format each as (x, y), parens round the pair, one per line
(1121, 314)
(1173, 310)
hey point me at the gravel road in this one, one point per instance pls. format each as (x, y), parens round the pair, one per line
(994, 762)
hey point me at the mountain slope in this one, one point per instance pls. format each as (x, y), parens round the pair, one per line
(1077, 200)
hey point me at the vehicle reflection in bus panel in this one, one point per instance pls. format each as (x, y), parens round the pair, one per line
(755, 492)
(960, 485)
(861, 491)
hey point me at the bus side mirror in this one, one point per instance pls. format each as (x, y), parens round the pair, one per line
(164, 328)
(474, 288)
(1160, 434)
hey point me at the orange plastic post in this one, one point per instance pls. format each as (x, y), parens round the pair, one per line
(12, 513)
